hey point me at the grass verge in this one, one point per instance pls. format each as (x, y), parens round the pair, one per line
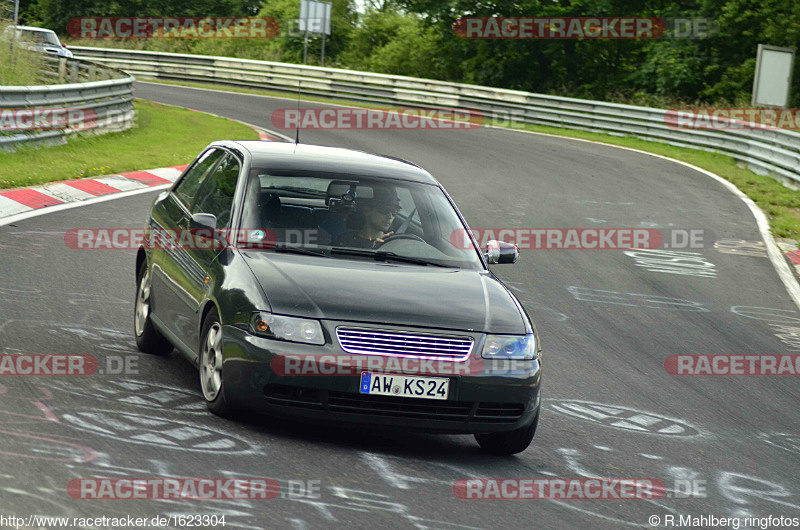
(164, 136)
(20, 68)
(781, 204)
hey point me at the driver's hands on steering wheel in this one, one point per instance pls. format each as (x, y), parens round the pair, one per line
(391, 236)
(381, 240)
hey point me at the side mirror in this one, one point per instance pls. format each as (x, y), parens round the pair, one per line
(501, 252)
(203, 221)
(205, 225)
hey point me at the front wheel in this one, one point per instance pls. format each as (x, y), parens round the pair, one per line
(508, 443)
(211, 365)
(148, 339)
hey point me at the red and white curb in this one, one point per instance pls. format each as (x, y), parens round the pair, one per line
(24, 200)
(789, 247)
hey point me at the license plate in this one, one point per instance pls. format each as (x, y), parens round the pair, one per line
(404, 386)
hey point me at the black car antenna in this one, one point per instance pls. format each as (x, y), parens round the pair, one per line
(297, 132)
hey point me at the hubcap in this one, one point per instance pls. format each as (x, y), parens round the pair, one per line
(211, 363)
(142, 312)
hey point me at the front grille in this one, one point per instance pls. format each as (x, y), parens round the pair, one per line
(398, 343)
(389, 406)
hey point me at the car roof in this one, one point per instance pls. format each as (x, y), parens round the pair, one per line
(31, 28)
(289, 156)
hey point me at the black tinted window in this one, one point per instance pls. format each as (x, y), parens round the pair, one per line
(216, 193)
(191, 182)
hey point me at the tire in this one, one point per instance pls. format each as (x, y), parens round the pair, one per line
(210, 365)
(508, 443)
(148, 339)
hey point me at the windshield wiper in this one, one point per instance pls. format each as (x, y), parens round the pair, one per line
(405, 259)
(299, 250)
(378, 255)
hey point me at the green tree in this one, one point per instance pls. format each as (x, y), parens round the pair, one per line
(390, 42)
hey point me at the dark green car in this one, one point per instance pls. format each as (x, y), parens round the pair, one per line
(332, 285)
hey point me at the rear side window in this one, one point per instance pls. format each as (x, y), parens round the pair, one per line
(190, 184)
(41, 37)
(216, 193)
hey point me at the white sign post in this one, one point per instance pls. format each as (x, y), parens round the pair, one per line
(315, 17)
(14, 32)
(773, 79)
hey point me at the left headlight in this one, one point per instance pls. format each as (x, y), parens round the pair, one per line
(292, 329)
(517, 347)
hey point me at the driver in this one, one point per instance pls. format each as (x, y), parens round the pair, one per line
(379, 214)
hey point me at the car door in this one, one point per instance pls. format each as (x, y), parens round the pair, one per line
(194, 259)
(216, 197)
(171, 214)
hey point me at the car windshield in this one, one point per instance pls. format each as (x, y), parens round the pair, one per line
(40, 37)
(355, 217)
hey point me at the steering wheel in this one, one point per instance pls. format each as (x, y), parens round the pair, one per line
(402, 236)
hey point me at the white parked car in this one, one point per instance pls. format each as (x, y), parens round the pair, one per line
(39, 39)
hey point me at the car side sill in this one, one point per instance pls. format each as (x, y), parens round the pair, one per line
(185, 350)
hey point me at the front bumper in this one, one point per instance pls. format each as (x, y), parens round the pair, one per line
(495, 398)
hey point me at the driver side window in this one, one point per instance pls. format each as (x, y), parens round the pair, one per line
(189, 185)
(216, 193)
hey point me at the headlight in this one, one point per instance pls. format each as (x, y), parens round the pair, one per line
(287, 328)
(518, 347)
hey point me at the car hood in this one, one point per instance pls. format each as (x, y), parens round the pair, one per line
(386, 293)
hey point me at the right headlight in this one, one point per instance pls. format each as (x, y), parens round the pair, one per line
(282, 327)
(513, 347)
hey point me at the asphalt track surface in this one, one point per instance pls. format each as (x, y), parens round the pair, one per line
(606, 324)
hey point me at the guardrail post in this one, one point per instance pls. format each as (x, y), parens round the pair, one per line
(62, 69)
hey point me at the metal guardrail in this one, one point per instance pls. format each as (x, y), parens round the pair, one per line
(773, 152)
(107, 92)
